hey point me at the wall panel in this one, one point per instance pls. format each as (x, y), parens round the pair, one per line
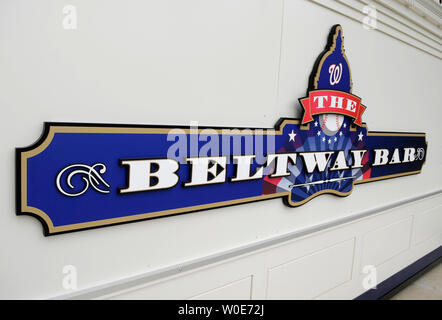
(224, 63)
(326, 269)
(427, 224)
(384, 243)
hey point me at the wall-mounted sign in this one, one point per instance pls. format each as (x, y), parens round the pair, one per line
(80, 176)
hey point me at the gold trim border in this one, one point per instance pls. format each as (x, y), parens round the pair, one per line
(50, 229)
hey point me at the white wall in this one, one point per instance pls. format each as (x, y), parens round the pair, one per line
(222, 63)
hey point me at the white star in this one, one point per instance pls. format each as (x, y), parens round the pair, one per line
(335, 139)
(340, 133)
(360, 135)
(329, 140)
(319, 133)
(292, 136)
(323, 139)
(316, 123)
(345, 125)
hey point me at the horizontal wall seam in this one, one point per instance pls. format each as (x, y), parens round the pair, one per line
(351, 10)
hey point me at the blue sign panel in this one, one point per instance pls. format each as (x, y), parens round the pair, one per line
(80, 176)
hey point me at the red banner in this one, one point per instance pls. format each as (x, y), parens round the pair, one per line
(331, 101)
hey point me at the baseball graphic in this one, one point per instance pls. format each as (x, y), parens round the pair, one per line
(330, 123)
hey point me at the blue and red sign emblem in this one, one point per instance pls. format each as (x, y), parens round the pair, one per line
(80, 176)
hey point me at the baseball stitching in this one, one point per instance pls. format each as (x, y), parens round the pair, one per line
(325, 121)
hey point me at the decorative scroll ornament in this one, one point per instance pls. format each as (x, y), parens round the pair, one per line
(90, 176)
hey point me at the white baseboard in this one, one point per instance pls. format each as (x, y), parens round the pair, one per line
(251, 251)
